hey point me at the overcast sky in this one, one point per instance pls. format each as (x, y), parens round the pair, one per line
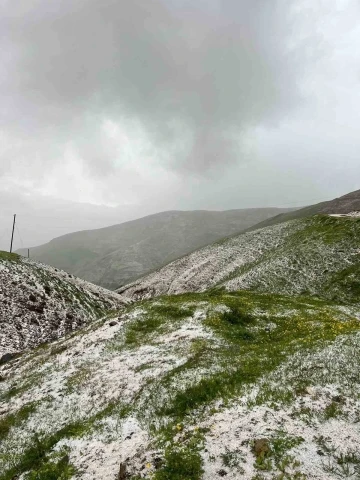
(177, 104)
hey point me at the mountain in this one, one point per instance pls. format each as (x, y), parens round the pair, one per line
(251, 371)
(191, 387)
(39, 303)
(114, 256)
(41, 218)
(342, 205)
(318, 255)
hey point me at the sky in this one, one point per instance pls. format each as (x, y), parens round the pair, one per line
(111, 109)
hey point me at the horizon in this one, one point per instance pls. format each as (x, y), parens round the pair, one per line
(20, 239)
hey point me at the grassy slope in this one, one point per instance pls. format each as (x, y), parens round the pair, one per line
(171, 369)
(345, 204)
(321, 258)
(317, 255)
(115, 255)
(287, 216)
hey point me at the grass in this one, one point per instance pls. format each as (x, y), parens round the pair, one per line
(329, 230)
(180, 464)
(251, 354)
(310, 259)
(139, 332)
(77, 379)
(233, 459)
(54, 467)
(344, 286)
(157, 319)
(276, 458)
(341, 464)
(10, 257)
(37, 459)
(182, 459)
(31, 380)
(239, 351)
(15, 419)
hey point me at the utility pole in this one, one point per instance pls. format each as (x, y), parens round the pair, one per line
(12, 235)
(28, 252)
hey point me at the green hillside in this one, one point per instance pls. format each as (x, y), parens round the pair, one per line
(343, 205)
(317, 256)
(116, 255)
(254, 386)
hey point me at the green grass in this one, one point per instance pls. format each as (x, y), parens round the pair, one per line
(10, 257)
(37, 458)
(276, 457)
(139, 332)
(344, 286)
(240, 352)
(171, 312)
(75, 381)
(182, 460)
(329, 230)
(310, 259)
(251, 350)
(182, 464)
(233, 459)
(19, 388)
(158, 319)
(15, 419)
(54, 467)
(249, 353)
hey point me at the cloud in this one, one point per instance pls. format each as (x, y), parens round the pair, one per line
(178, 103)
(195, 75)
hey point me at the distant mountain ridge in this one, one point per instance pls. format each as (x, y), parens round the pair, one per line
(116, 255)
(345, 204)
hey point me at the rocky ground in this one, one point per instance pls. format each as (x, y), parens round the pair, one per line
(39, 303)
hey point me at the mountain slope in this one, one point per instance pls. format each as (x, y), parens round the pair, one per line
(116, 255)
(345, 204)
(192, 387)
(39, 303)
(318, 255)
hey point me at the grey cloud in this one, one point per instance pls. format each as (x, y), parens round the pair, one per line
(212, 70)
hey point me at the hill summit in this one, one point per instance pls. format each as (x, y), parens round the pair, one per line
(343, 205)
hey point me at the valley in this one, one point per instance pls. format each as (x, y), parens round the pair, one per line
(239, 360)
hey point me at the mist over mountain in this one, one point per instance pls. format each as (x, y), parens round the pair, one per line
(41, 218)
(116, 255)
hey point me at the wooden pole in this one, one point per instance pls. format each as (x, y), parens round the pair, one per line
(28, 252)
(12, 235)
